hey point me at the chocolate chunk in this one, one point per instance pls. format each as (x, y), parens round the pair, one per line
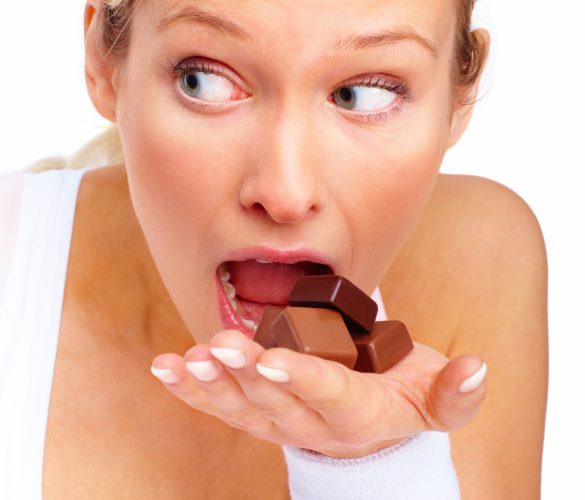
(388, 343)
(337, 293)
(320, 332)
(263, 333)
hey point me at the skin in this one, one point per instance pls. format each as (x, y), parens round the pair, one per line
(324, 179)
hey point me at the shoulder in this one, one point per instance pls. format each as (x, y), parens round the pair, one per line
(477, 247)
(492, 240)
(478, 262)
(484, 215)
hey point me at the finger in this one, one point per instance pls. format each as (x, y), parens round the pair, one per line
(458, 391)
(240, 355)
(326, 386)
(223, 391)
(171, 371)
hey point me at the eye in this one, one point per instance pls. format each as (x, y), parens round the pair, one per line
(206, 86)
(203, 81)
(369, 95)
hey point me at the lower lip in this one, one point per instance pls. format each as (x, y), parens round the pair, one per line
(229, 318)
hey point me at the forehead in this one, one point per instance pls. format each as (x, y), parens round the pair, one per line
(260, 21)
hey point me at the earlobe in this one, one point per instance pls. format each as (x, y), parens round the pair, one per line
(99, 73)
(459, 120)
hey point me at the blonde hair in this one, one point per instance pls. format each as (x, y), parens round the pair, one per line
(113, 30)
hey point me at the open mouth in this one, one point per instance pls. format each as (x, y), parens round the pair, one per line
(244, 288)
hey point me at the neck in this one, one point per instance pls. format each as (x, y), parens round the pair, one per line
(113, 275)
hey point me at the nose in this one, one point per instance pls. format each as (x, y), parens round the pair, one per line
(284, 181)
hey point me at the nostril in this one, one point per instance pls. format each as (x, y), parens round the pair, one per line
(259, 209)
(280, 213)
(286, 205)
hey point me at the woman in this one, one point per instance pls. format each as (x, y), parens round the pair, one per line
(257, 142)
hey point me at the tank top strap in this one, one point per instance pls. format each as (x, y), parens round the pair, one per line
(30, 318)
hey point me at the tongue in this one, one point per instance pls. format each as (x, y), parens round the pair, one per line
(269, 283)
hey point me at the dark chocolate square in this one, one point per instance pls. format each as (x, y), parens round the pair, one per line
(388, 343)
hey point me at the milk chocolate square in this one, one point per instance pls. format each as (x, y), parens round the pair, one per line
(320, 332)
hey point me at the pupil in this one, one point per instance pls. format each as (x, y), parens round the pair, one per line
(345, 94)
(192, 81)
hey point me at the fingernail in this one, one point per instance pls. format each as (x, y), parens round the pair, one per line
(475, 380)
(165, 374)
(272, 373)
(203, 370)
(230, 357)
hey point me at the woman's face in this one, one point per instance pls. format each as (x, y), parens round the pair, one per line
(261, 136)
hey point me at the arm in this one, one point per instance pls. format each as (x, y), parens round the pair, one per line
(487, 295)
(499, 454)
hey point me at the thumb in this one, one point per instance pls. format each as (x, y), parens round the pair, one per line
(458, 391)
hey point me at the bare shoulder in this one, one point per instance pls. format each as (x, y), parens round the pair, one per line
(490, 244)
(477, 246)
(473, 279)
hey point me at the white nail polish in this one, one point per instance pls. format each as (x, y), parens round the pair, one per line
(203, 370)
(166, 375)
(230, 357)
(474, 381)
(272, 373)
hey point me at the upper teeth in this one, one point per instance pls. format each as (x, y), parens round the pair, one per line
(264, 260)
(224, 274)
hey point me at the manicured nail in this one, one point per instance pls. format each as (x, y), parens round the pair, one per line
(475, 380)
(203, 370)
(272, 373)
(230, 357)
(166, 375)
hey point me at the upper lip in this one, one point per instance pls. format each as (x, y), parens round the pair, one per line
(282, 255)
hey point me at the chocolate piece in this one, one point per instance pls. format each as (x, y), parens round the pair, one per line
(388, 343)
(337, 293)
(320, 332)
(263, 333)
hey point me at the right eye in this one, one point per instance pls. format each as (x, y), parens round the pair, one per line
(206, 85)
(202, 80)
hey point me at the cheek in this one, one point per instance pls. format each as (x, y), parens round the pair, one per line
(392, 189)
(173, 180)
(172, 160)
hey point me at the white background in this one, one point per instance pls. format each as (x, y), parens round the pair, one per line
(526, 133)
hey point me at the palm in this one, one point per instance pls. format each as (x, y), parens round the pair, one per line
(319, 404)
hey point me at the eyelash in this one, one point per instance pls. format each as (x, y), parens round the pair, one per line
(398, 87)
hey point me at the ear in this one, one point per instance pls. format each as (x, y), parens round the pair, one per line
(100, 75)
(461, 114)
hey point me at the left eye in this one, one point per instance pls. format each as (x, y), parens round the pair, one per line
(206, 86)
(365, 97)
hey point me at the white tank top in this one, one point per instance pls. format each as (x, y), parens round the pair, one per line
(36, 221)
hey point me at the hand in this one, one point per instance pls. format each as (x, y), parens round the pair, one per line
(318, 404)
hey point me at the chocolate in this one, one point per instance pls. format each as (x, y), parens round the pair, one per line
(320, 332)
(263, 333)
(331, 306)
(388, 343)
(335, 292)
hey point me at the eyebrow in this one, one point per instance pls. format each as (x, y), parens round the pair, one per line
(354, 41)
